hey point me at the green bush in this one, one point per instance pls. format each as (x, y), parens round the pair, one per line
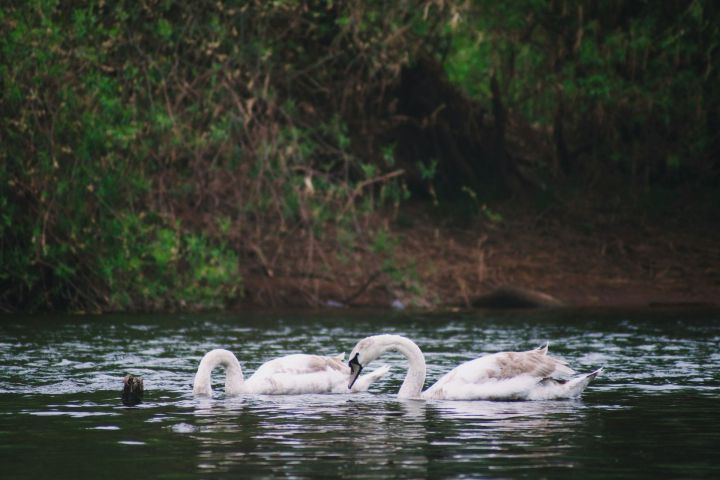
(130, 128)
(615, 88)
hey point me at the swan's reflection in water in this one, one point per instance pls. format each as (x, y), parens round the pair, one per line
(481, 430)
(371, 435)
(286, 435)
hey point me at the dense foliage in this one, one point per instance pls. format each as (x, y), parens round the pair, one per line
(600, 88)
(156, 152)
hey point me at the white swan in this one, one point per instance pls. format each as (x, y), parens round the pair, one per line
(531, 375)
(292, 374)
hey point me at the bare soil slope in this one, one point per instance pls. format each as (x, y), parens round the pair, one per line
(581, 257)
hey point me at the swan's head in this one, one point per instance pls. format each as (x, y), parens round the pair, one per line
(355, 369)
(366, 350)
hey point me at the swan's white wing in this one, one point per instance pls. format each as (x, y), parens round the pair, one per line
(301, 364)
(506, 365)
(296, 374)
(506, 375)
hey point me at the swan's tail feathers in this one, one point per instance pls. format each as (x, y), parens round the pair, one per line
(363, 382)
(553, 388)
(577, 385)
(543, 349)
(378, 373)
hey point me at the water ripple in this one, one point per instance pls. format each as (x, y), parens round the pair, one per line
(62, 380)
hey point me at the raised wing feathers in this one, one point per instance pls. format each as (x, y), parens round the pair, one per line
(534, 363)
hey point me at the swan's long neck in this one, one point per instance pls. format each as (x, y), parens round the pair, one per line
(218, 358)
(415, 377)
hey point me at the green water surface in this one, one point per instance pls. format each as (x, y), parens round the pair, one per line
(655, 412)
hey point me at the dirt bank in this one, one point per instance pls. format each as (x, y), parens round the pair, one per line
(581, 256)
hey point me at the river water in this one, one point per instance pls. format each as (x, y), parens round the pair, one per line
(654, 413)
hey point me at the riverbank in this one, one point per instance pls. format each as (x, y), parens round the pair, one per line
(586, 254)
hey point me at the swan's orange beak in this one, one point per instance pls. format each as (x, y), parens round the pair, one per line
(355, 369)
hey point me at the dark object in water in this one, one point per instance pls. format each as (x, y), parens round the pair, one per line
(132, 390)
(515, 297)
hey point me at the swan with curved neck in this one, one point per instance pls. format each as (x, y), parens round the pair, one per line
(292, 374)
(531, 375)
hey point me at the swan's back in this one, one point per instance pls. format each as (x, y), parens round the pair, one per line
(504, 376)
(299, 373)
(507, 365)
(302, 364)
